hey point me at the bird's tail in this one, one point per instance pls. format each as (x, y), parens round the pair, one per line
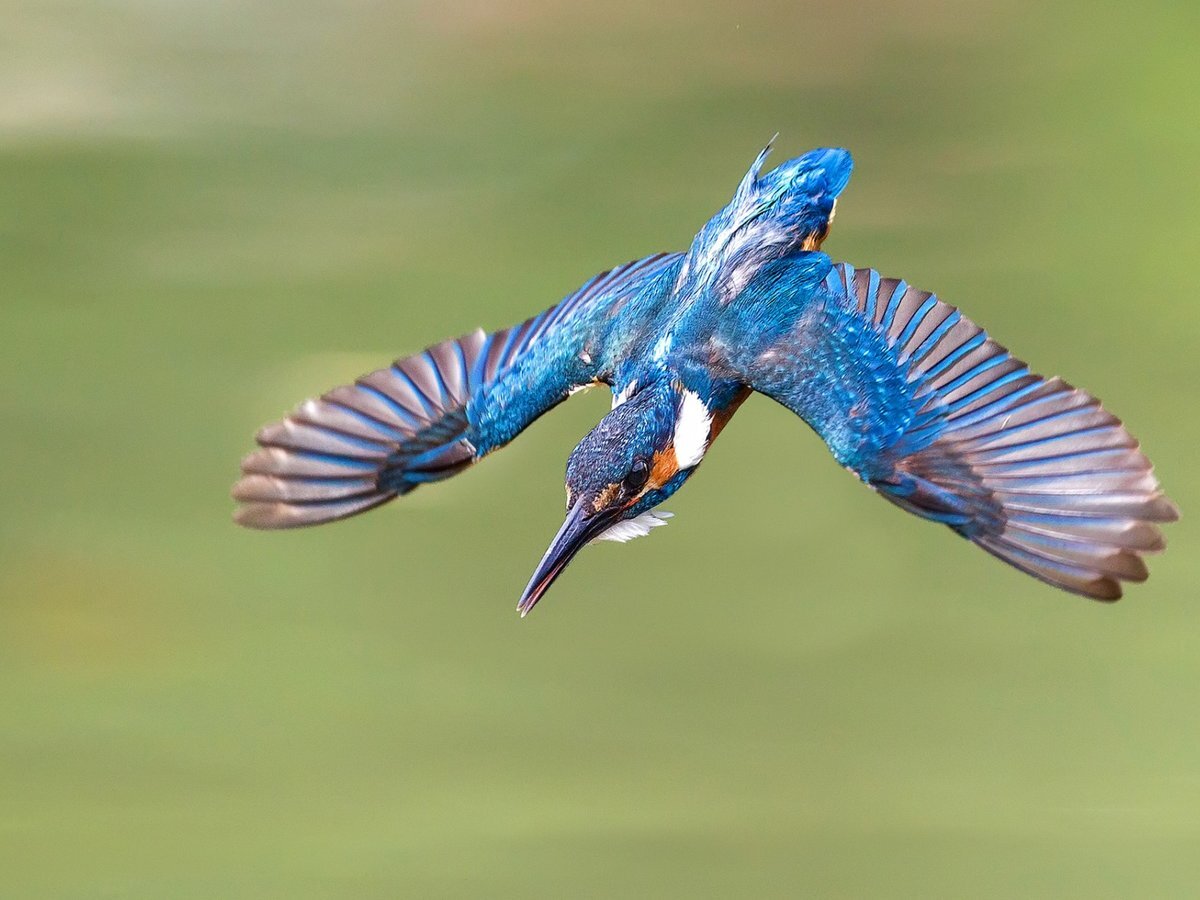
(1040, 475)
(363, 444)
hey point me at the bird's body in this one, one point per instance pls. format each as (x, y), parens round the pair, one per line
(910, 396)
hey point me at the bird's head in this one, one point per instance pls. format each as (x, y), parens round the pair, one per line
(771, 215)
(633, 460)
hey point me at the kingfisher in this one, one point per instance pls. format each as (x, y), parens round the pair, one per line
(911, 396)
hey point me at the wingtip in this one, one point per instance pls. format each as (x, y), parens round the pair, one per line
(1109, 596)
(1169, 509)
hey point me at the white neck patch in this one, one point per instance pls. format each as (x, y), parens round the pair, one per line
(691, 431)
(628, 529)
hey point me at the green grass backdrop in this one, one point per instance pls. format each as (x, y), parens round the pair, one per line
(210, 211)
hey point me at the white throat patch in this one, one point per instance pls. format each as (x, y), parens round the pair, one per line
(628, 529)
(691, 431)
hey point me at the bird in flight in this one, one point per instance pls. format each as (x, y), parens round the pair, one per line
(909, 394)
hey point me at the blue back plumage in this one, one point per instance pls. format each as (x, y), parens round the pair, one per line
(770, 216)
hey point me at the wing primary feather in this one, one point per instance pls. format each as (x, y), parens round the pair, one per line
(899, 289)
(918, 318)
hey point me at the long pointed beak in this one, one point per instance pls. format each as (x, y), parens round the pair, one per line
(581, 526)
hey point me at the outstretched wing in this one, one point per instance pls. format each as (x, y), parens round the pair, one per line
(429, 416)
(923, 406)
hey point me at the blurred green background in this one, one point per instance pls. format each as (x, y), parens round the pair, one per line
(209, 211)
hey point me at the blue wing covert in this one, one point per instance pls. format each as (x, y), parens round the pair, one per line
(431, 415)
(941, 420)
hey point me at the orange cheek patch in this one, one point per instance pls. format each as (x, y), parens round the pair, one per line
(721, 417)
(664, 468)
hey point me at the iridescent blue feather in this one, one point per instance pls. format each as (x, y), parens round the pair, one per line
(908, 393)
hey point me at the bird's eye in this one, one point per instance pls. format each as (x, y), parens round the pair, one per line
(636, 479)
